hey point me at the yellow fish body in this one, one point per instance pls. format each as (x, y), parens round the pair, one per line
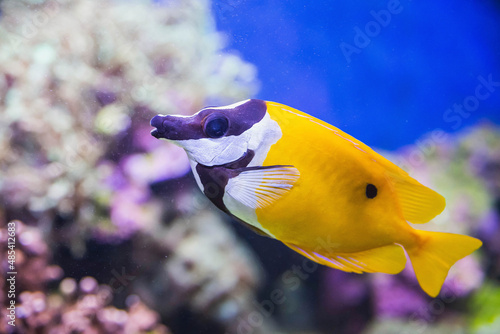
(320, 191)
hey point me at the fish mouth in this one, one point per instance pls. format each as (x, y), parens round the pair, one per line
(155, 133)
(176, 128)
(157, 122)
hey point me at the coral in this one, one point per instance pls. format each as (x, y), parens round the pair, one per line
(33, 257)
(79, 82)
(74, 307)
(197, 257)
(84, 308)
(486, 313)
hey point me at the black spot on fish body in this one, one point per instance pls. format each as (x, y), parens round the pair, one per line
(371, 191)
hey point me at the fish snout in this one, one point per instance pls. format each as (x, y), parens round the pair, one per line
(165, 126)
(177, 128)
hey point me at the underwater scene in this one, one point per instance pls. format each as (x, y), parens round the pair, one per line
(324, 167)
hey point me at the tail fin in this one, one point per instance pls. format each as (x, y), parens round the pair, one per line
(433, 257)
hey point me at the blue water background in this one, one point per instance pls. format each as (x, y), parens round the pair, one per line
(398, 87)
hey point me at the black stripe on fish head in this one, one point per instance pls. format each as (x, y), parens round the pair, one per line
(215, 178)
(202, 124)
(214, 181)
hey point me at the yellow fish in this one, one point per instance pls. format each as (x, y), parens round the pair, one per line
(321, 192)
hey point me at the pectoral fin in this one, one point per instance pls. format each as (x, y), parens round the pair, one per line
(388, 259)
(258, 187)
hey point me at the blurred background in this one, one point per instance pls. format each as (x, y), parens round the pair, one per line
(112, 233)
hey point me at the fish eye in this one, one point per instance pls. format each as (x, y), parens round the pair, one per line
(216, 126)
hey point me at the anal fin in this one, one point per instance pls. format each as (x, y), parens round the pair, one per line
(388, 259)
